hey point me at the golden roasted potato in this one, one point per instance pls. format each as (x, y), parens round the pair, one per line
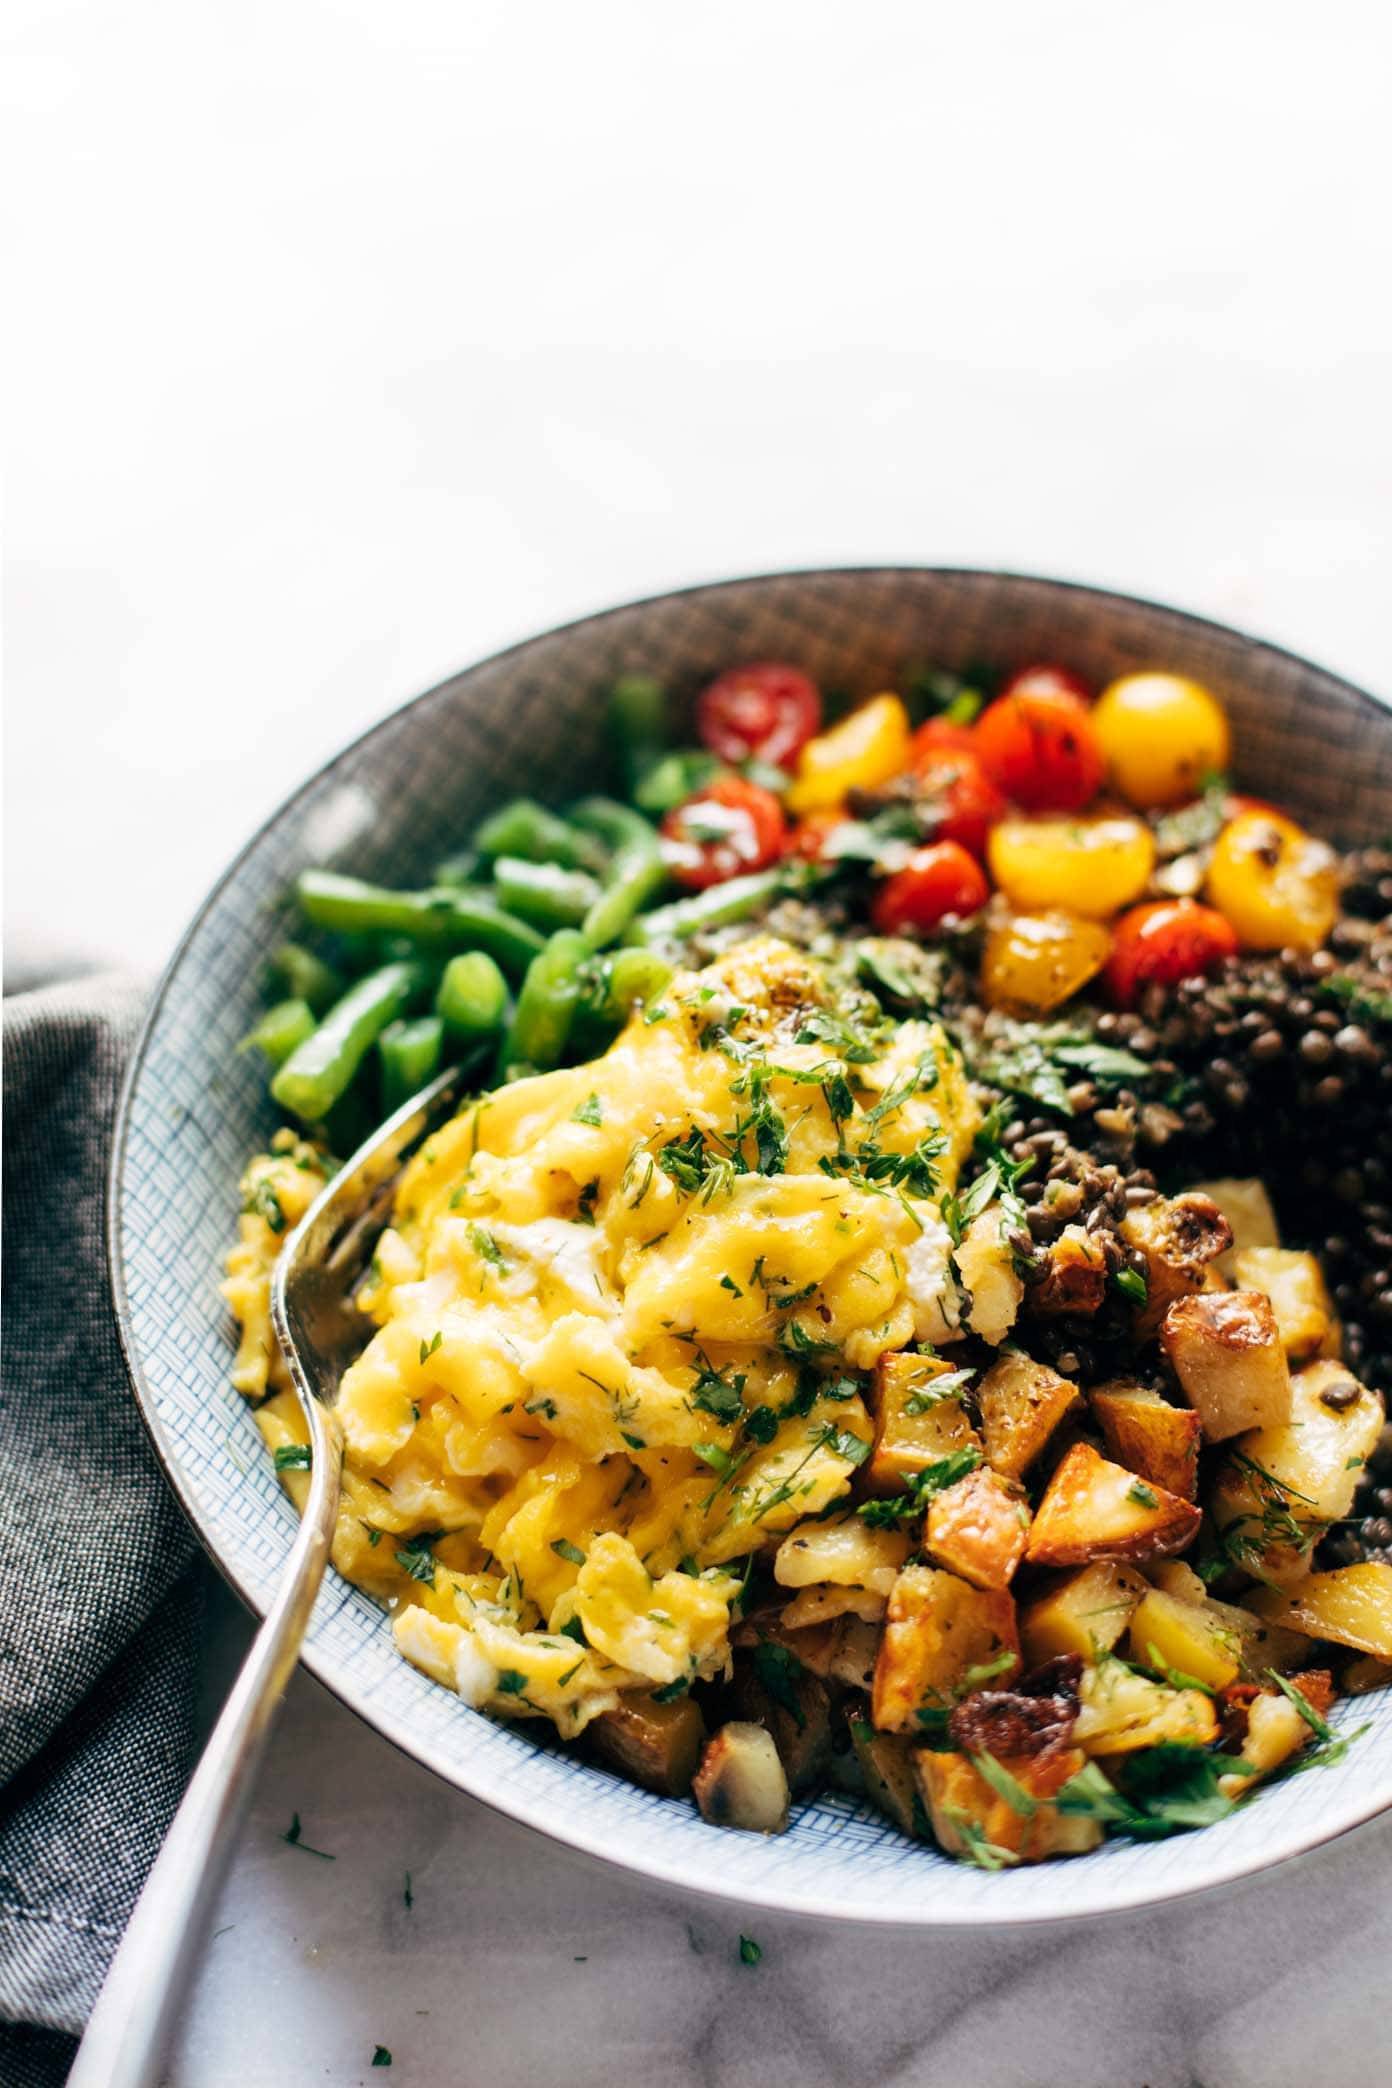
(1076, 1275)
(656, 1745)
(1280, 1488)
(1122, 1711)
(912, 1428)
(1275, 1730)
(887, 1771)
(1093, 1509)
(1352, 1606)
(987, 1269)
(940, 1638)
(1226, 1351)
(978, 1529)
(825, 1602)
(741, 1783)
(1296, 1287)
(771, 1688)
(1179, 1236)
(1184, 1638)
(1022, 1403)
(1083, 1613)
(845, 1551)
(1245, 1204)
(971, 1816)
(1147, 1434)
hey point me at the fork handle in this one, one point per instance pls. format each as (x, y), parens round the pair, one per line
(141, 1996)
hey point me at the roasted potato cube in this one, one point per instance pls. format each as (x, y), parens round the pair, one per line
(1083, 1613)
(1174, 1577)
(1352, 1606)
(1185, 1640)
(912, 1428)
(1296, 1287)
(987, 1268)
(978, 1528)
(771, 1688)
(846, 1552)
(1122, 1711)
(823, 1603)
(1149, 1436)
(1022, 1403)
(1179, 1236)
(656, 1745)
(741, 1783)
(887, 1771)
(1277, 1729)
(1281, 1488)
(1260, 1644)
(968, 1813)
(1076, 1275)
(1227, 1354)
(1093, 1509)
(941, 1637)
(1247, 1208)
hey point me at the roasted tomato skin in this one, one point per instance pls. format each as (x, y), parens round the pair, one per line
(1037, 743)
(938, 880)
(966, 800)
(766, 711)
(939, 734)
(730, 827)
(1164, 942)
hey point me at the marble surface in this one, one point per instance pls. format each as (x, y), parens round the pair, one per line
(343, 343)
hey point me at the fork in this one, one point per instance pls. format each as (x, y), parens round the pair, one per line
(320, 1329)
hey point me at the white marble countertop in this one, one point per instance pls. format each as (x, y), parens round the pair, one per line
(345, 343)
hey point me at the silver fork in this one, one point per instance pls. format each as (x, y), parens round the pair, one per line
(320, 1330)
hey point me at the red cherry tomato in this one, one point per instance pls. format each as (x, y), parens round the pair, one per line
(953, 781)
(1164, 942)
(728, 828)
(937, 734)
(764, 712)
(938, 880)
(1037, 743)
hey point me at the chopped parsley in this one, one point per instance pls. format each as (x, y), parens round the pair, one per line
(292, 1457)
(416, 1558)
(590, 1111)
(511, 1682)
(1144, 1496)
(750, 1952)
(1005, 1785)
(428, 1348)
(1132, 1285)
(487, 1249)
(381, 2056)
(292, 1835)
(564, 1549)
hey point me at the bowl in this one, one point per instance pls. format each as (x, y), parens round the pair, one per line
(393, 803)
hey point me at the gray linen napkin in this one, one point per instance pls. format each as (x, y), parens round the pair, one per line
(100, 1597)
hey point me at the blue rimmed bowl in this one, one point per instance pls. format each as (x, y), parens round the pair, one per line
(531, 719)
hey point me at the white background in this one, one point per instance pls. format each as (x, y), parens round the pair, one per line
(345, 342)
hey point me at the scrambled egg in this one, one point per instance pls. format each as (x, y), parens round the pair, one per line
(623, 1314)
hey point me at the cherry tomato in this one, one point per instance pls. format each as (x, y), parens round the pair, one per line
(938, 880)
(967, 801)
(764, 712)
(1159, 944)
(728, 828)
(1037, 743)
(937, 734)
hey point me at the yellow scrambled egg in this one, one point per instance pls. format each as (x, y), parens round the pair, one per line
(623, 1317)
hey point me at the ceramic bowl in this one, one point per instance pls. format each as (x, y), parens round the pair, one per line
(410, 790)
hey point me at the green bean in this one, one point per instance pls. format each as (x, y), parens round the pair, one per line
(637, 724)
(546, 1005)
(472, 996)
(627, 978)
(635, 870)
(673, 779)
(409, 1056)
(306, 976)
(281, 1030)
(543, 892)
(525, 828)
(322, 1068)
(436, 920)
(720, 904)
(459, 871)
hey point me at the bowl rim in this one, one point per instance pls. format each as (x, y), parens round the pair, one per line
(670, 1872)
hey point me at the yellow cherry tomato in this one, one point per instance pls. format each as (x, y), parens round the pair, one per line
(1033, 962)
(1161, 735)
(859, 752)
(1083, 866)
(1277, 886)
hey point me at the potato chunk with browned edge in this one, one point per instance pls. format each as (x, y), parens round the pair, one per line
(1179, 1236)
(1226, 1350)
(978, 1528)
(656, 1745)
(1281, 1488)
(971, 1816)
(1184, 1639)
(1093, 1509)
(1352, 1606)
(1149, 1436)
(941, 1638)
(887, 1771)
(913, 1427)
(1022, 1402)
(1083, 1613)
(1296, 1287)
(741, 1783)
(1123, 1711)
